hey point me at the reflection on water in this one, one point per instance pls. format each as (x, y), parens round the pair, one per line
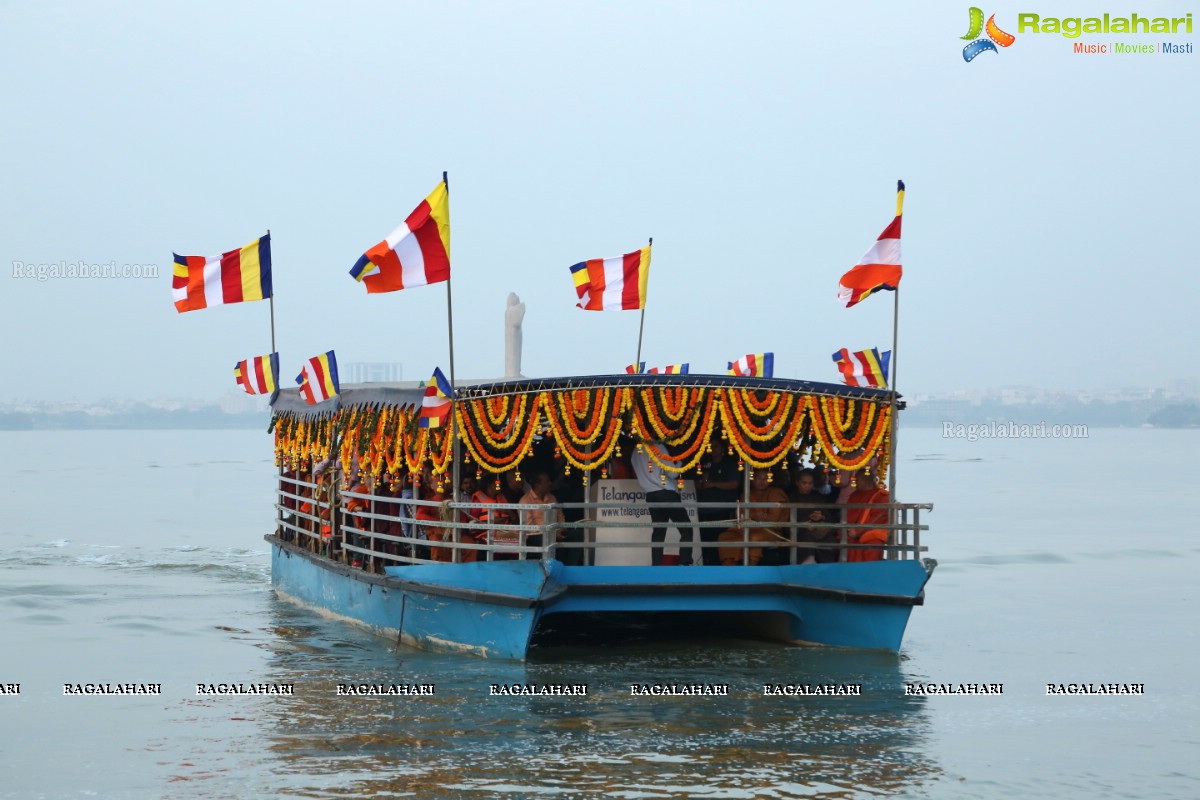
(463, 742)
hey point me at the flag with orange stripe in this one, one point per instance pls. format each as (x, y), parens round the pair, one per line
(613, 284)
(879, 269)
(258, 375)
(238, 276)
(415, 254)
(319, 378)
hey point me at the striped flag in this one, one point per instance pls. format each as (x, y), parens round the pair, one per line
(258, 375)
(879, 269)
(636, 369)
(755, 365)
(435, 406)
(415, 254)
(319, 378)
(234, 277)
(613, 284)
(670, 369)
(865, 367)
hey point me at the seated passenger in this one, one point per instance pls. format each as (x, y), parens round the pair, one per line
(805, 491)
(761, 491)
(539, 494)
(867, 490)
(492, 494)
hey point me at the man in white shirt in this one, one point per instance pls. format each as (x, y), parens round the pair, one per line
(664, 502)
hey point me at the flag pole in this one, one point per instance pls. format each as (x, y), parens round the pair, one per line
(274, 394)
(892, 377)
(637, 362)
(456, 467)
(272, 299)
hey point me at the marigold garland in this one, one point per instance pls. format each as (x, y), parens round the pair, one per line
(585, 424)
(600, 436)
(490, 451)
(757, 447)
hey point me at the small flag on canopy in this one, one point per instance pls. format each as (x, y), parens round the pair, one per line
(238, 276)
(435, 406)
(319, 378)
(670, 369)
(258, 375)
(415, 254)
(755, 365)
(613, 284)
(865, 367)
(879, 269)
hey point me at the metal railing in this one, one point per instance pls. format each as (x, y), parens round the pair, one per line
(314, 515)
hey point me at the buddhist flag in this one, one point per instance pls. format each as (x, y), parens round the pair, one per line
(234, 277)
(880, 268)
(865, 367)
(435, 406)
(319, 379)
(258, 375)
(415, 254)
(636, 369)
(670, 369)
(755, 365)
(613, 284)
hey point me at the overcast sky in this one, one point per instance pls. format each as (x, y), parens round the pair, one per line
(1049, 227)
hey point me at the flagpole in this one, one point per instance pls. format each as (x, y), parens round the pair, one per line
(456, 468)
(272, 299)
(637, 362)
(892, 377)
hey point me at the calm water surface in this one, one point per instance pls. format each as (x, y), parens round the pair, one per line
(138, 557)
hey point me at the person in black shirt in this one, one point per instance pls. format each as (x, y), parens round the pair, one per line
(720, 483)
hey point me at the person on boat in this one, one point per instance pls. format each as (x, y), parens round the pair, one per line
(568, 487)
(719, 482)
(805, 491)
(664, 502)
(433, 490)
(488, 497)
(540, 493)
(355, 508)
(866, 490)
(762, 490)
(514, 487)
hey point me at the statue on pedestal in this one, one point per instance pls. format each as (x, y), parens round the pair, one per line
(513, 314)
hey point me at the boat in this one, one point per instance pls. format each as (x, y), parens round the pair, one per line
(374, 525)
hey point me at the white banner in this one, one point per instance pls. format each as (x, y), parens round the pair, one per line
(634, 509)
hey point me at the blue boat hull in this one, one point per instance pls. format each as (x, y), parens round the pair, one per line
(492, 609)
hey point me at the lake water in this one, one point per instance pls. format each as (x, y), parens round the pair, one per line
(137, 557)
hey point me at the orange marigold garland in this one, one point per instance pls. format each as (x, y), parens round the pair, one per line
(855, 452)
(578, 422)
(495, 448)
(687, 431)
(764, 444)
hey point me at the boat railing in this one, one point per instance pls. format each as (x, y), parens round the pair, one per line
(406, 530)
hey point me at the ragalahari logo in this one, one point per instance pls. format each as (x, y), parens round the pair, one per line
(995, 36)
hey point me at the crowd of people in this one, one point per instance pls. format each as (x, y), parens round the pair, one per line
(791, 508)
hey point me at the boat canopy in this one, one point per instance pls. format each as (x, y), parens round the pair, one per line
(496, 424)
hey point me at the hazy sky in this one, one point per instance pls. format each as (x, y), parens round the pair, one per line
(1049, 228)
